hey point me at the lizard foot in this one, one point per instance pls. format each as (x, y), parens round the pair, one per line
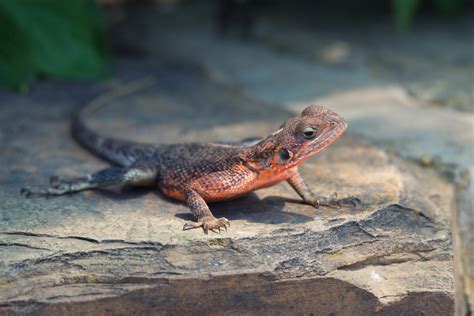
(209, 223)
(55, 190)
(338, 203)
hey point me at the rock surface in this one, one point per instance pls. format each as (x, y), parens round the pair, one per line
(122, 250)
(416, 100)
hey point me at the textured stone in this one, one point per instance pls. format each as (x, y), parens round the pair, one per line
(122, 250)
(398, 93)
(440, 138)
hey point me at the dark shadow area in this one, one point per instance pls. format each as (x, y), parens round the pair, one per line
(270, 210)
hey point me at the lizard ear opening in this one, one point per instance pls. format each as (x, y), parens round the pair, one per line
(284, 155)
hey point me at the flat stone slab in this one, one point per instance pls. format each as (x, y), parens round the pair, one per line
(122, 250)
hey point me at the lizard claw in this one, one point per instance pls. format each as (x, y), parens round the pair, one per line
(316, 203)
(331, 203)
(209, 223)
(30, 193)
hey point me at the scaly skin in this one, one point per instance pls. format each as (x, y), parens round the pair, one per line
(197, 173)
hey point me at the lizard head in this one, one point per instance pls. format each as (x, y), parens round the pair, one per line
(299, 138)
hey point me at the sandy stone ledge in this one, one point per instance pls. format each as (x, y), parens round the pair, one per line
(116, 252)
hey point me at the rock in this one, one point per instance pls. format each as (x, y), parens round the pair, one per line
(437, 140)
(121, 250)
(413, 99)
(463, 240)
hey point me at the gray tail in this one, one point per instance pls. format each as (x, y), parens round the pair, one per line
(105, 147)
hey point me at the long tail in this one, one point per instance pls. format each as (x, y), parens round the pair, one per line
(108, 148)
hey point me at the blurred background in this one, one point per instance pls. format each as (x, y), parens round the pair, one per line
(400, 71)
(282, 51)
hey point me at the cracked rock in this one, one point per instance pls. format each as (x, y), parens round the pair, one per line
(113, 251)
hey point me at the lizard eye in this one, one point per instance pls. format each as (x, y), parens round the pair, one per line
(309, 132)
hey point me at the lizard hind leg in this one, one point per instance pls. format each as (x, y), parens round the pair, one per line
(103, 178)
(203, 214)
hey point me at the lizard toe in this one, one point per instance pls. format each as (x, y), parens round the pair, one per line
(191, 225)
(331, 203)
(31, 193)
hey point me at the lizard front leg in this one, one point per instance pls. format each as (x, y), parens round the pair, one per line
(203, 214)
(103, 178)
(301, 187)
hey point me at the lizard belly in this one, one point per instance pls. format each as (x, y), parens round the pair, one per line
(225, 185)
(270, 177)
(228, 185)
(209, 195)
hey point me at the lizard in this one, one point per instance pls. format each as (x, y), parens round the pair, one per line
(200, 173)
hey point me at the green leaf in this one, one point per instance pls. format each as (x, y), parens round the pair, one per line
(57, 38)
(403, 12)
(16, 66)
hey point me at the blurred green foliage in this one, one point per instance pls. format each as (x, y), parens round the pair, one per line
(404, 11)
(55, 38)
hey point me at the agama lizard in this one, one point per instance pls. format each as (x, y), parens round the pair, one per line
(198, 173)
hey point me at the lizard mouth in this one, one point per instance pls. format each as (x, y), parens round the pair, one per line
(321, 142)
